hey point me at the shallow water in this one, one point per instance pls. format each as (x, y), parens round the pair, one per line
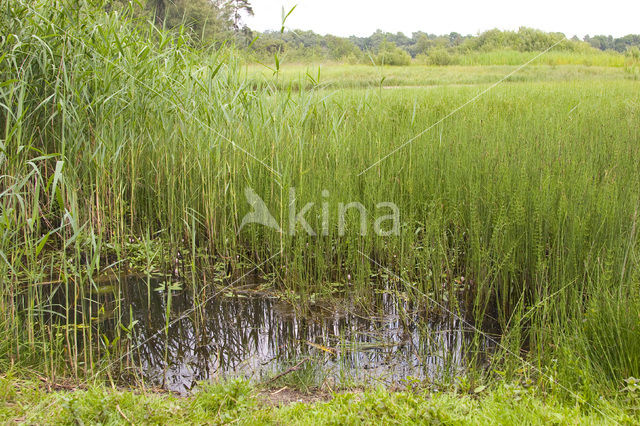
(380, 339)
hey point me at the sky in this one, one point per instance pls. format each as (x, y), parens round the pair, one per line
(363, 17)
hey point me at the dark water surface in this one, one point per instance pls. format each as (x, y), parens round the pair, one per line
(379, 339)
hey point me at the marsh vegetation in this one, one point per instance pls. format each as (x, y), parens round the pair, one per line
(125, 153)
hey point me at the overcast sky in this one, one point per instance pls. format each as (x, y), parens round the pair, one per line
(363, 17)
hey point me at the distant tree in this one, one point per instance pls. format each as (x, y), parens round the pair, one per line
(375, 40)
(601, 42)
(621, 44)
(399, 39)
(239, 7)
(423, 45)
(341, 48)
(455, 39)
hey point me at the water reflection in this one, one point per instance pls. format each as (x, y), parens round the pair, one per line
(257, 336)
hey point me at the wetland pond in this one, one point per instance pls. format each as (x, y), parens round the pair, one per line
(243, 332)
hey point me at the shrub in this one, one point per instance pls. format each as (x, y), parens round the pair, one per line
(441, 57)
(390, 54)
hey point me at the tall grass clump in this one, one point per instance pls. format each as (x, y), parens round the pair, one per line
(90, 165)
(125, 148)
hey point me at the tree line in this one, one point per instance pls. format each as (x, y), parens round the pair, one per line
(222, 21)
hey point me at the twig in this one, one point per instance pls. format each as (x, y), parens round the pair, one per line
(278, 391)
(122, 414)
(290, 370)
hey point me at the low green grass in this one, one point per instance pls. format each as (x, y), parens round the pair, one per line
(239, 403)
(589, 57)
(337, 76)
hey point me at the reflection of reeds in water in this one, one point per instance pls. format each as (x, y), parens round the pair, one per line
(246, 336)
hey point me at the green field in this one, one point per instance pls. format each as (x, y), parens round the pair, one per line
(125, 150)
(335, 76)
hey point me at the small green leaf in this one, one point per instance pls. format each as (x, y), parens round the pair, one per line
(479, 389)
(42, 242)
